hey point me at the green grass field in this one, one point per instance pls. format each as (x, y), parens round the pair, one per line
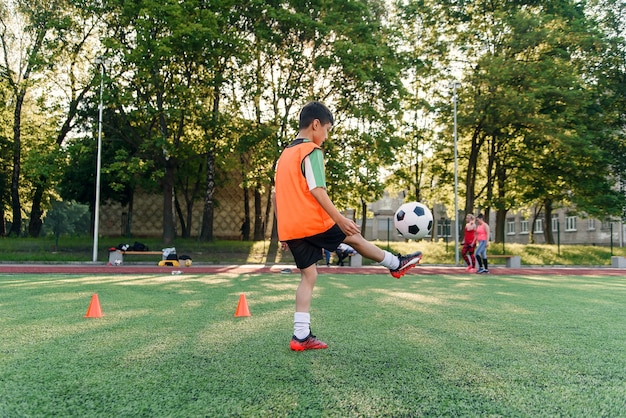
(419, 346)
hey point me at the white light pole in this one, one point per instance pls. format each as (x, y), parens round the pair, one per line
(96, 214)
(454, 86)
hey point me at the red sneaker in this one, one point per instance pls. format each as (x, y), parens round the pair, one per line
(406, 262)
(309, 343)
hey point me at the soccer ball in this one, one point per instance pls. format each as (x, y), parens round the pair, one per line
(413, 220)
(188, 262)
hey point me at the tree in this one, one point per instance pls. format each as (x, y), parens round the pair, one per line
(24, 31)
(5, 155)
(176, 56)
(79, 25)
(340, 54)
(528, 103)
(66, 218)
(37, 39)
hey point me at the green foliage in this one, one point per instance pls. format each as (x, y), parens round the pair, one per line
(530, 129)
(195, 89)
(67, 218)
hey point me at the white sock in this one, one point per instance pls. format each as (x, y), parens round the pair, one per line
(301, 325)
(390, 261)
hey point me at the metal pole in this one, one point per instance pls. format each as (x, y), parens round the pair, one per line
(611, 239)
(96, 216)
(558, 237)
(388, 232)
(455, 85)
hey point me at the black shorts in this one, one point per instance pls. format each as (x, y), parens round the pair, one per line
(308, 251)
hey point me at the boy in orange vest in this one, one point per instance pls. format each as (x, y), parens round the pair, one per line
(309, 221)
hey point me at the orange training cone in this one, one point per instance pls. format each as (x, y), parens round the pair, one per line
(242, 306)
(94, 310)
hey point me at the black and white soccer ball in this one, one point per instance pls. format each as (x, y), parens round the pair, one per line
(413, 220)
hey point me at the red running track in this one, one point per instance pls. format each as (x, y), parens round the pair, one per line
(96, 268)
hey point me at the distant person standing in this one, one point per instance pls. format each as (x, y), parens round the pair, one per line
(482, 236)
(327, 255)
(469, 243)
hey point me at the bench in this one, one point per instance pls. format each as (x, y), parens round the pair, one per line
(117, 257)
(356, 260)
(618, 262)
(512, 261)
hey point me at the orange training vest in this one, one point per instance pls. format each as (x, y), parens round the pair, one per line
(299, 214)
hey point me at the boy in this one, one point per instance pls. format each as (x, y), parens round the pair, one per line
(309, 221)
(469, 243)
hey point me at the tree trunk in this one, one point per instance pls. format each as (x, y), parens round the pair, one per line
(16, 206)
(3, 223)
(268, 208)
(363, 217)
(128, 227)
(490, 171)
(418, 190)
(470, 176)
(206, 232)
(500, 225)
(245, 225)
(36, 213)
(20, 93)
(501, 210)
(189, 218)
(547, 229)
(184, 231)
(258, 216)
(272, 251)
(169, 229)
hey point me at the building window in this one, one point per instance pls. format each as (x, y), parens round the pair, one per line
(510, 227)
(591, 224)
(523, 226)
(570, 223)
(555, 223)
(539, 226)
(443, 228)
(385, 224)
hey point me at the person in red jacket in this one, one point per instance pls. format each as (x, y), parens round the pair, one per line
(469, 243)
(308, 221)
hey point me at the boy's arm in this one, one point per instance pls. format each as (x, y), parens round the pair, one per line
(348, 226)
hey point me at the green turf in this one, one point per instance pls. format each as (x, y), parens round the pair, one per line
(419, 346)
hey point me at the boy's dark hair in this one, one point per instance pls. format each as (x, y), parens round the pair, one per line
(315, 110)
